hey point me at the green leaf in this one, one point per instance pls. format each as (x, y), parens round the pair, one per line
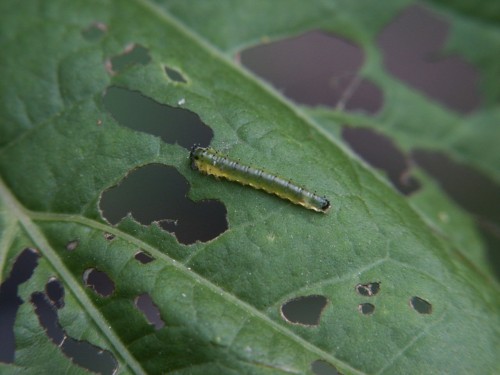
(221, 301)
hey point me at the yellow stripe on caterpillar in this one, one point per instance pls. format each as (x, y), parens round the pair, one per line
(210, 162)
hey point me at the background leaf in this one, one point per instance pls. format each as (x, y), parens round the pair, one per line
(395, 292)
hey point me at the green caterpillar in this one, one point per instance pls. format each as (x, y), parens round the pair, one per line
(210, 162)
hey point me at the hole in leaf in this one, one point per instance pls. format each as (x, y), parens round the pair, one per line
(109, 236)
(471, 189)
(315, 69)
(157, 193)
(72, 245)
(369, 289)
(47, 317)
(380, 152)
(366, 308)
(144, 257)
(95, 31)
(175, 75)
(99, 281)
(81, 353)
(55, 292)
(412, 46)
(304, 310)
(173, 125)
(420, 305)
(146, 305)
(21, 271)
(133, 54)
(320, 367)
(89, 356)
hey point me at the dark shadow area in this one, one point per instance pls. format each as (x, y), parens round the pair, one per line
(134, 54)
(99, 281)
(143, 257)
(81, 353)
(366, 308)
(380, 152)
(412, 48)
(95, 31)
(157, 193)
(320, 367)
(23, 268)
(145, 305)
(473, 191)
(173, 125)
(315, 69)
(304, 310)
(175, 75)
(368, 290)
(420, 305)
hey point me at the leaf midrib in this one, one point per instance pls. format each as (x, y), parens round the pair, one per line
(25, 219)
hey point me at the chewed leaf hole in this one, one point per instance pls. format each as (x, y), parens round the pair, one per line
(81, 353)
(320, 367)
(22, 270)
(72, 245)
(381, 152)
(144, 257)
(133, 54)
(109, 236)
(304, 310)
(158, 194)
(412, 46)
(55, 292)
(368, 290)
(172, 124)
(314, 69)
(420, 305)
(366, 308)
(472, 189)
(146, 305)
(175, 75)
(95, 31)
(99, 282)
